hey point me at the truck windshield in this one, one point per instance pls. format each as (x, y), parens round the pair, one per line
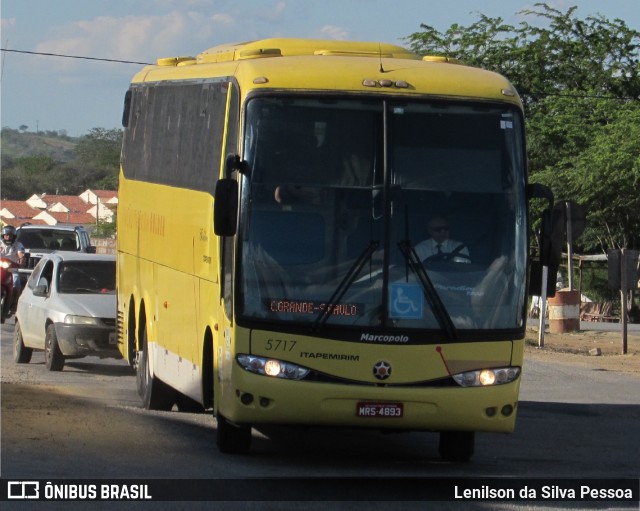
(48, 239)
(383, 214)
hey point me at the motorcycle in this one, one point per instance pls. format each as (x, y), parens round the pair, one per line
(6, 278)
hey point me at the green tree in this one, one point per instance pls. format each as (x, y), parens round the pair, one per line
(101, 148)
(565, 56)
(606, 177)
(27, 175)
(106, 229)
(580, 85)
(35, 164)
(100, 151)
(27, 168)
(18, 185)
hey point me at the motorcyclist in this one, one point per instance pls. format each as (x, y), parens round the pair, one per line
(14, 251)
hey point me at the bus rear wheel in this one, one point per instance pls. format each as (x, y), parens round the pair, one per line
(231, 438)
(155, 394)
(456, 446)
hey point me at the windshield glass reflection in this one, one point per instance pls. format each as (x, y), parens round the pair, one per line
(333, 235)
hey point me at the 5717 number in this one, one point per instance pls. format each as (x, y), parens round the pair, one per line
(279, 345)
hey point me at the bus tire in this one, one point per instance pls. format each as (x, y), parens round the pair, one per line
(231, 438)
(456, 446)
(21, 354)
(155, 394)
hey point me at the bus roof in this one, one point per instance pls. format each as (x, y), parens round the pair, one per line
(319, 65)
(296, 47)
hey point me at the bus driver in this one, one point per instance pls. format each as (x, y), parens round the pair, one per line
(440, 247)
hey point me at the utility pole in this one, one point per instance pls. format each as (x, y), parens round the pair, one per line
(543, 306)
(624, 255)
(569, 244)
(97, 212)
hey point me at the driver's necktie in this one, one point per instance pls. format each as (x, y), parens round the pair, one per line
(439, 249)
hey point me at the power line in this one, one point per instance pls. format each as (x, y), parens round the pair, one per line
(74, 57)
(533, 93)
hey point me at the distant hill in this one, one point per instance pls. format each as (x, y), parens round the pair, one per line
(17, 144)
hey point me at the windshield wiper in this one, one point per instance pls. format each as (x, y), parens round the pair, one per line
(345, 283)
(440, 311)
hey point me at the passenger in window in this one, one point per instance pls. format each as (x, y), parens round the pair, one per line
(440, 247)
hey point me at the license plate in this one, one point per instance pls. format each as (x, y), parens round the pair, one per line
(112, 338)
(380, 410)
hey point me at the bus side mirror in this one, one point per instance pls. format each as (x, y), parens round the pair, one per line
(225, 207)
(551, 238)
(551, 242)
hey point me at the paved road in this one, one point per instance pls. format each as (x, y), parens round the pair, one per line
(86, 422)
(598, 326)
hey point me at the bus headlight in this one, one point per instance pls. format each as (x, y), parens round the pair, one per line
(272, 367)
(487, 377)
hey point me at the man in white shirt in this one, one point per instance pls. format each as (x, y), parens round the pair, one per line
(440, 247)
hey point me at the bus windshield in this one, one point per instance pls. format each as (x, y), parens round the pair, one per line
(383, 214)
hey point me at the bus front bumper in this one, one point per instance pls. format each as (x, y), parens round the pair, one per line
(257, 399)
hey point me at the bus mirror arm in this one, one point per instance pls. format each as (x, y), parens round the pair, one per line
(225, 207)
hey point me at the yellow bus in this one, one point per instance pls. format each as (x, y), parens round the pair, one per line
(278, 204)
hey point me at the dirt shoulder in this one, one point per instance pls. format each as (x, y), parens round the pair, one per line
(595, 349)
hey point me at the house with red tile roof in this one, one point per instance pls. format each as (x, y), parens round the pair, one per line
(36, 201)
(69, 217)
(55, 209)
(65, 203)
(104, 196)
(14, 212)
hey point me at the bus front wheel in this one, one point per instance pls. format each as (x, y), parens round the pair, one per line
(456, 446)
(232, 438)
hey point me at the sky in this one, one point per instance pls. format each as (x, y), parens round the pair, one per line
(76, 95)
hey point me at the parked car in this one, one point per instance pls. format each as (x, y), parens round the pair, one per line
(68, 309)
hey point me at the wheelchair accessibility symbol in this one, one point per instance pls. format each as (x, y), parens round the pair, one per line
(406, 301)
